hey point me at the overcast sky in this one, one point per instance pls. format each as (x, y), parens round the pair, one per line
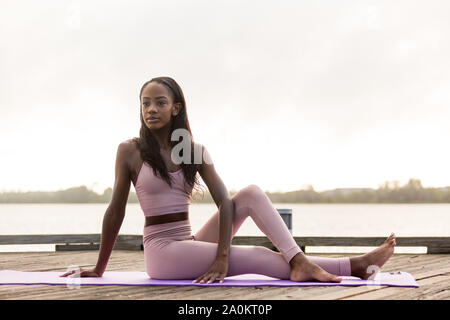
(283, 94)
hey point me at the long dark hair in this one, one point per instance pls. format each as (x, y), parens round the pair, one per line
(149, 146)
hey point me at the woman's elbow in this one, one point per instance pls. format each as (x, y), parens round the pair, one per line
(115, 211)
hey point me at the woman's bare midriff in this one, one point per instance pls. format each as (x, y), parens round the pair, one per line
(166, 218)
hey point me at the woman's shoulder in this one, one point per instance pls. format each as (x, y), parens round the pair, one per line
(129, 147)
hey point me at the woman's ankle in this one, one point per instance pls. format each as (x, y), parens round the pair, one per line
(299, 258)
(355, 265)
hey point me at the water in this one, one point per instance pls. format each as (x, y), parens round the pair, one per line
(307, 219)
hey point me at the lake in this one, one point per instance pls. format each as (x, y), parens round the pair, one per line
(307, 219)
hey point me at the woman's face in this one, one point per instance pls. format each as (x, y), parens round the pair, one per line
(157, 106)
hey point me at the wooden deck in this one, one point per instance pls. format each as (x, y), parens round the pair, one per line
(431, 271)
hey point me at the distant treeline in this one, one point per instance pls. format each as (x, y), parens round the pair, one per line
(389, 192)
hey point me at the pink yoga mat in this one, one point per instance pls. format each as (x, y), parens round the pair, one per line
(137, 278)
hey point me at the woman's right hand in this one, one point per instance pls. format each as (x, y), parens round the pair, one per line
(83, 273)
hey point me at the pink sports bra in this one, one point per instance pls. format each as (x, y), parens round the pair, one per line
(156, 197)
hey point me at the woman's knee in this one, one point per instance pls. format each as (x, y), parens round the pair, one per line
(247, 194)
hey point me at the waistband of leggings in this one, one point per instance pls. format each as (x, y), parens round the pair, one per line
(156, 228)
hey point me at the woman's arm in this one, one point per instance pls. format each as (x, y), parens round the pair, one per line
(115, 212)
(226, 217)
(220, 195)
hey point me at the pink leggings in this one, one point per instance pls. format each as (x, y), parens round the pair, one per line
(172, 252)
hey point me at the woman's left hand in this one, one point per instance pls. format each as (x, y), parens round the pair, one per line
(218, 270)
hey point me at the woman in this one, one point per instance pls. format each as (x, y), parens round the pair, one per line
(164, 186)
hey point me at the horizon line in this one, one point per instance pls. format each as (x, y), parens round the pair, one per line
(235, 189)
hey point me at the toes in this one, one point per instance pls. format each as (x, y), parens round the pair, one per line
(328, 277)
(391, 237)
(333, 278)
(392, 241)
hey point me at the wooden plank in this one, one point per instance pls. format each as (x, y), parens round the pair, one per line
(198, 293)
(84, 292)
(431, 282)
(414, 266)
(66, 239)
(355, 292)
(76, 247)
(429, 288)
(391, 291)
(434, 244)
(96, 246)
(49, 239)
(438, 248)
(350, 241)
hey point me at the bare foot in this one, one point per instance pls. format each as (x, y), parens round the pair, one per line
(304, 270)
(364, 266)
